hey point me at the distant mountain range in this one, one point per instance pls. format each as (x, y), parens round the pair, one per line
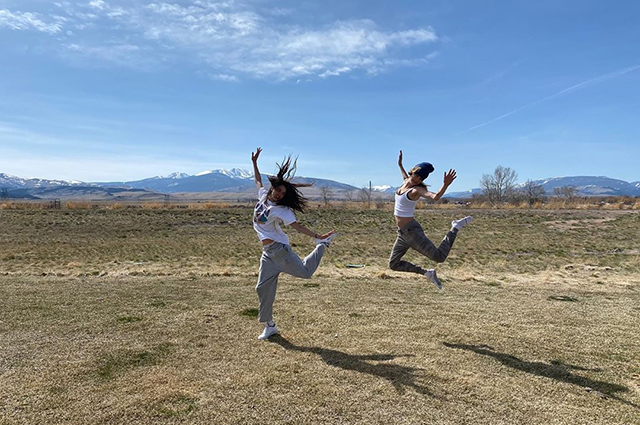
(585, 186)
(240, 181)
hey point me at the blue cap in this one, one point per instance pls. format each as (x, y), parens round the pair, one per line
(423, 169)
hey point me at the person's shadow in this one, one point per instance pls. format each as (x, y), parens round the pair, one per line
(398, 376)
(554, 370)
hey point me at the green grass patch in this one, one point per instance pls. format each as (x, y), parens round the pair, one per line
(250, 312)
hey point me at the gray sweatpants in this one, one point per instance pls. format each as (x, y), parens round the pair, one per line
(412, 236)
(277, 258)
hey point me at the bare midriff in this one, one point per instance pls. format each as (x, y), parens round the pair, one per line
(267, 241)
(403, 221)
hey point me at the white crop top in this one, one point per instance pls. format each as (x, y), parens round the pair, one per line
(404, 206)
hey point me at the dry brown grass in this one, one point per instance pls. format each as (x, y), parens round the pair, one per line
(147, 316)
(78, 205)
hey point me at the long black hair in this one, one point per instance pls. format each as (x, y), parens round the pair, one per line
(292, 198)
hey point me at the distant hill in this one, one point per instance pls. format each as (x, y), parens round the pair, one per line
(93, 193)
(12, 182)
(240, 181)
(235, 180)
(585, 186)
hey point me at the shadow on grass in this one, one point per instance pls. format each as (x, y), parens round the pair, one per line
(116, 362)
(400, 377)
(554, 370)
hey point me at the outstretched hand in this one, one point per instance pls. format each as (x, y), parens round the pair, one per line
(449, 177)
(254, 156)
(400, 158)
(326, 235)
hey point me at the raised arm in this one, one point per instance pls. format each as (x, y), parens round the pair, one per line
(449, 177)
(256, 173)
(404, 173)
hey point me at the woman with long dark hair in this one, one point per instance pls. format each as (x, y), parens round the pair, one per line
(410, 233)
(277, 206)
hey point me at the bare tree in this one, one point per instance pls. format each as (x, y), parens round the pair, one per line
(568, 193)
(533, 192)
(499, 187)
(364, 195)
(349, 195)
(327, 194)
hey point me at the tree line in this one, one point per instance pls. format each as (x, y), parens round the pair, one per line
(501, 187)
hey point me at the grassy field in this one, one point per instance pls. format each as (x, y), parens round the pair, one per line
(149, 317)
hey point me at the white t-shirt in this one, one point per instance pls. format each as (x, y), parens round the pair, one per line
(267, 217)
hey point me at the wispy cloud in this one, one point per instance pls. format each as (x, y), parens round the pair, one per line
(575, 87)
(232, 38)
(224, 77)
(30, 21)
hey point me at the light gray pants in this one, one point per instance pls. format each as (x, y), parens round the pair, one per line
(412, 236)
(277, 258)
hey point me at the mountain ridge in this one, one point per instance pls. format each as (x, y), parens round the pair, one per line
(238, 180)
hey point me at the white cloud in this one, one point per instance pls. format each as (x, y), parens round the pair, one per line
(233, 39)
(225, 77)
(28, 21)
(335, 73)
(122, 54)
(98, 4)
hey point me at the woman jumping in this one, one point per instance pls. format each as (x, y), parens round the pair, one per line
(410, 233)
(276, 206)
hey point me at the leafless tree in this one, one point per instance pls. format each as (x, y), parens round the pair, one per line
(364, 195)
(533, 192)
(499, 187)
(327, 193)
(568, 193)
(348, 195)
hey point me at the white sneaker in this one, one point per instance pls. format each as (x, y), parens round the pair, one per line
(326, 241)
(431, 275)
(459, 224)
(268, 331)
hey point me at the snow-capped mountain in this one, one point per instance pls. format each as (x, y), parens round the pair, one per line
(12, 182)
(585, 186)
(176, 176)
(591, 186)
(240, 180)
(233, 180)
(384, 188)
(237, 173)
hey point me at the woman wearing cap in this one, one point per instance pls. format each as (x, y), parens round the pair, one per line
(276, 206)
(410, 233)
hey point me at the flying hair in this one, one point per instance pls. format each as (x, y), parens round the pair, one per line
(293, 198)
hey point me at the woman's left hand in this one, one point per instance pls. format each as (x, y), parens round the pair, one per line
(326, 235)
(449, 177)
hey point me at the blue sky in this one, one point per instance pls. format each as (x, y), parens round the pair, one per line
(122, 90)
